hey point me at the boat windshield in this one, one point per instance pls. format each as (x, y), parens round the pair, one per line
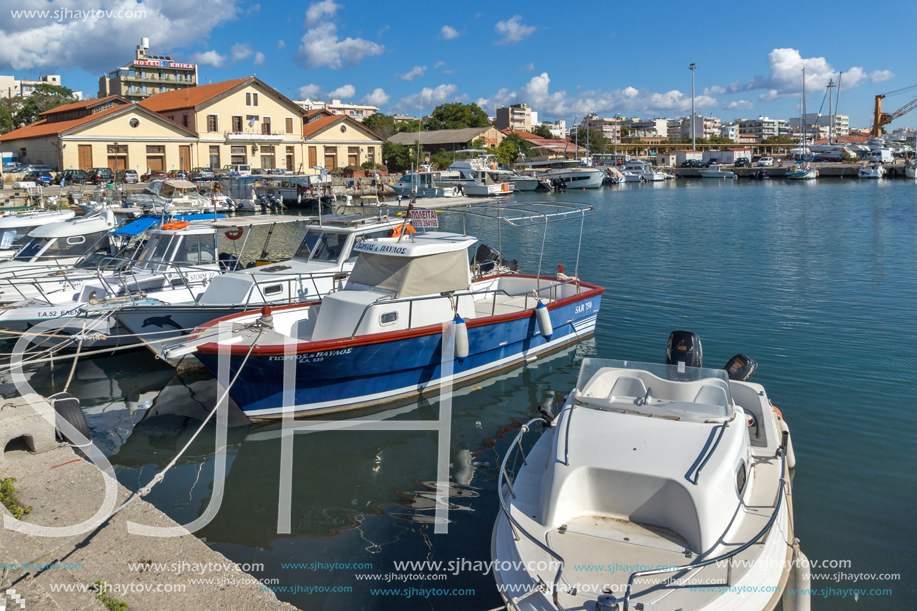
(673, 373)
(328, 248)
(308, 244)
(32, 248)
(14, 238)
(154, 251)
(104, 261)
(71, 246)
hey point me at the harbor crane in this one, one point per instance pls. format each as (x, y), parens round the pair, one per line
(884, 118)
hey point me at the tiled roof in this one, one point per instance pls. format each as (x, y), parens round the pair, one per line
(190, 97)
(441, 136)
(522, 134)
(81, 104)
(46, 128)
(321, 123)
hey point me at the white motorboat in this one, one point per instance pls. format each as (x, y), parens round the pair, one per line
(15, 227)
(641, 171)
(319, 266)
(715, 171)
(803, 172)
(910, 170)
(176, 264)
(177, 195)
(565, 173)
(651, 481)
(426, 184)
(58, 246)
(478, 176)
(873, 170)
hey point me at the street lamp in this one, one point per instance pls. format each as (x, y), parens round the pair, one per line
(692, 68)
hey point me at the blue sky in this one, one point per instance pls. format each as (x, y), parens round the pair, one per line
(562, 59)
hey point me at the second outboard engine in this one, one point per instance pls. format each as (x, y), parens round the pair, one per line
(264, 203)
(684, 347)
(276, 204)
(741, 368)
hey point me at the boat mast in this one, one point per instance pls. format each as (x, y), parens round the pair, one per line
(805, 135)
(830, 118)
(837, 100)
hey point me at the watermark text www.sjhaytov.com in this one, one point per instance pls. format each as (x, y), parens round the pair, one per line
(65, 14)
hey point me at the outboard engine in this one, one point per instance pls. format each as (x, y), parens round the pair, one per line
(487, 257)
(264, 203)
(741, 368)
(276, 204)
(684, 347)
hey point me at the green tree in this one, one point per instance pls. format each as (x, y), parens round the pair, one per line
(6, 118)
(397, 157)
(512, 148)
(442, 158)
(45, 97)
(457, 116)
(778, 140)
(542, 131)
(591, 139)
(381, 123)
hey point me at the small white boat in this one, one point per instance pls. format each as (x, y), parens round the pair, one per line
(637, 171)
(805, 172)
(910, 170)
(15, 227)
(565, 173)
(665, 477)
(714, 171)
(873, 170)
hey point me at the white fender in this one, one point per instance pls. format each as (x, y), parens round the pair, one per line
(799, 580)
(790, 455)
(543, 316)
(461, 339)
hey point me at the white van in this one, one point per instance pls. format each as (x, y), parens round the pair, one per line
(242, 169)
(881, 155)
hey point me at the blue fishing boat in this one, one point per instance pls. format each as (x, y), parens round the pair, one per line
(411, 318)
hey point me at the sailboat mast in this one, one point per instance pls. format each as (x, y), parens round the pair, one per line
(805, 134)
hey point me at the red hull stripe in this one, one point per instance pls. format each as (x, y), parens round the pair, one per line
(379, 338)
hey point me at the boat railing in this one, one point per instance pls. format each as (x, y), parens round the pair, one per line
(514, 524)
(534, 293)
(781, 493)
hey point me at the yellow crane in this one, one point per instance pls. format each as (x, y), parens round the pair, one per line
(884, 118)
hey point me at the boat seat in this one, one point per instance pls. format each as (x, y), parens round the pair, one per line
(627, 386)
(712, 395)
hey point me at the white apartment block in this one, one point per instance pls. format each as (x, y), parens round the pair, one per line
(763, 127)
(515, 116)
(336, 107)
(11, 87)
(841, 123)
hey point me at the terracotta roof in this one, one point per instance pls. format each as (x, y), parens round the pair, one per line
(522, 134)
(317, 125)
(81, 104)
(191, 96)
(46, 128)
(315, 111)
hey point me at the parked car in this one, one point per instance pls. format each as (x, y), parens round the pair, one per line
(11, 167)
(742, 162)
(692, 163)
(127, 177)
(178, 174)
(97, 176)
(756, 158)
(766, 162)
(154, 175)
(42, 177)
(71, 177)
(201, 174)
(711, 162)
(35, 168)
(255, 172)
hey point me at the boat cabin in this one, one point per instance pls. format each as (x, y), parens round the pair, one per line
(66, 240)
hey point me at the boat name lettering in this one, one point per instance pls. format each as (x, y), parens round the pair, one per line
(367, 247)
(583, 307)
(312, 356)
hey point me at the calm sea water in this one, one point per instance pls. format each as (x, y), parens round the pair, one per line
(814, 280)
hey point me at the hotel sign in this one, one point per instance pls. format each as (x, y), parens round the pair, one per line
(161, 64)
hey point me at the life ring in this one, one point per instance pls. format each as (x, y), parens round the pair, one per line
(234, 235)
(776, 409)
(178, 225)
(407, 230)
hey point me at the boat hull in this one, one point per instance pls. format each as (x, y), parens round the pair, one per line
(368, 370)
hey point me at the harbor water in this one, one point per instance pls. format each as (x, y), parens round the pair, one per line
(816, 280)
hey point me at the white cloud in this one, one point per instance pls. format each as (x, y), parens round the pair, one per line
(321, 46)
(740, 105)
(281, 44)
(240, 51)
(448, 33)
(416, 72)
(448, 72)
(208, 58)
(259, 58)
(383, 30)
(377, 98)
(439, 65)
(784, 76)
(537, 94)
(529, 67)
(343, 92)
(318, 11)
(40, 44)
(513, 30)
(430, 98)
(309, 91)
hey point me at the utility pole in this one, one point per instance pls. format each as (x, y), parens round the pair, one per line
(692, 68)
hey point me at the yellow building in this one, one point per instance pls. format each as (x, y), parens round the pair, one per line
(238, 122)
(334, 141)
(109, 132)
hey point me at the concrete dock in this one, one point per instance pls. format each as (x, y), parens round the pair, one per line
(146, 573)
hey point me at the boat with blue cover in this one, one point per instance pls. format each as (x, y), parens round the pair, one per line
(410, 319)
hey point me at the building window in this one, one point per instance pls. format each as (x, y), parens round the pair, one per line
(371, 154)
(212, 125)
(155, 150)
(214, 157)
(254, 99)
(289, 125)
(267, 158)
(248, 99)
(184, 120)
(237, 155)
(266, 126)
(237, 125)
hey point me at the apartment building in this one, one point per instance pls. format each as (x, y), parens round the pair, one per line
(337, 107)
(515, 117)
(147, 75)
(763, 127)
(649, 128)
(11, 87)
(817, 122)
